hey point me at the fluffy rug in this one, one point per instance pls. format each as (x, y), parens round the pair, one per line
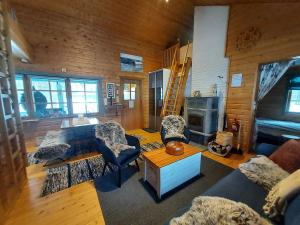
(263, 171)
(151, 146)
(113, 135)
(62, 177)
(215, 210)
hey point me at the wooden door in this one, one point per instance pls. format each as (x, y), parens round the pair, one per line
(131, 98)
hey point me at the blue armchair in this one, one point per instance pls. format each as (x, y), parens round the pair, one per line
(186, 133)
(123, 159)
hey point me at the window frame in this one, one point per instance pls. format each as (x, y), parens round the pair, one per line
(27, 81)
(129, 82)
(291, 87)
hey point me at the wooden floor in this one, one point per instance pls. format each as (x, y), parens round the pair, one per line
(78, 205)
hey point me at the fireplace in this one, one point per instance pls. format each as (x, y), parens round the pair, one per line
(201, 114)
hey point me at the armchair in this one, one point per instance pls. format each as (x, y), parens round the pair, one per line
(124, 158)
(165, 140)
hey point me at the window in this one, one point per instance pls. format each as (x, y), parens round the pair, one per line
(129, 91)
(56, 97)
(84, 96)
(49, 96)
(21, 95)
(293, 99)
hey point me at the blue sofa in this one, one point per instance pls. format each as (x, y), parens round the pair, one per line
(237, 187)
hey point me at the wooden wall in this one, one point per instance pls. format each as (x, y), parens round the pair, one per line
(87, 39)
(279, 25)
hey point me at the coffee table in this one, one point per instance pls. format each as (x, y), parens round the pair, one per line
(165, 172)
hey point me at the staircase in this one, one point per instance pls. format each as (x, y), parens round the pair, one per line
(176, 86)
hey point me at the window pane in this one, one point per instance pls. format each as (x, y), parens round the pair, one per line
(58, 85)
(78, 97)
(126, 95)
(77, 85)
(42, 96)
(126, 87)
(78, 108)
(61, 109)
(92, 107)
(91, 97)
(23, 111)
(59, 96)
(295, 101)
(19, 82)
(133, 95)
(133, 87)
(91, 86)
(40, 84)
(21, 96)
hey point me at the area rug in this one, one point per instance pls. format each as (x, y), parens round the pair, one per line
(62, 177)
(152, 146)
(135, 203)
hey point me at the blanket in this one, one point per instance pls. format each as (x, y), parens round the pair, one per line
(263, 171)
(113, 135)
(276, 201)
(53, 146)
(215, 210)
(174, 126)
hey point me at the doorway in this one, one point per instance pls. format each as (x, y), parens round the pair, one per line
(131, 98)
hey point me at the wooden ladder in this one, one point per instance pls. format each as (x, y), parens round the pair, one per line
(174, 96)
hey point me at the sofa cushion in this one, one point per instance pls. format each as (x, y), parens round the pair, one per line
(265, 149)
(127, 155)
(292, 213)
(287, 156)
(237, 187)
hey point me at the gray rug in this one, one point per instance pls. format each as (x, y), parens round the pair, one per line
(135, 203)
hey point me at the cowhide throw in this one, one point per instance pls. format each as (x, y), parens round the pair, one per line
(174, 126)
(53, 146)
(113, 135)
(263, 171)
(215, 210)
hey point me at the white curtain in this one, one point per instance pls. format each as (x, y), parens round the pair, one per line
(270, 74)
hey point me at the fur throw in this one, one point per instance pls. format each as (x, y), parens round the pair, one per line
(113, 135)
(174, 126)
(263, 171)
(276, 201)
(53, 146)
(215, 210)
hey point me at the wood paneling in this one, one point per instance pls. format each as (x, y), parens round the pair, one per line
(86, 37)
(231, 2)
(279, 24)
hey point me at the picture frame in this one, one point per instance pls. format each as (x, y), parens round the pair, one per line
(110, 90)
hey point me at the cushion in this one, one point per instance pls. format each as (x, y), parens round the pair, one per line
(292, 214)
(126, 156)
(265, 149)
(287, 156)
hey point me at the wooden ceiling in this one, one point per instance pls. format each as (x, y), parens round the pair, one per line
(155, 21)
(230, 2)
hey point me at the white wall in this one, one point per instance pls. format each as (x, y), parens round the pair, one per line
(209, 62)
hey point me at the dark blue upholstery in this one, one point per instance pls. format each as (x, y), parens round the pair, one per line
(124, 158)
(265, 149)
(237, 187)
(292, 214)
(186, 133)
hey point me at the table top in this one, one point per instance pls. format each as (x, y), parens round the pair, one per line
(160, 158)
(79, 122)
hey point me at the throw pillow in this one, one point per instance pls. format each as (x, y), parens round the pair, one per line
(277, 199)
(287, 156)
